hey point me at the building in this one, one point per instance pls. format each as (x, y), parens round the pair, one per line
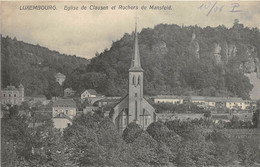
(91, 95)
(133, 107)
(106, 101)
(12, 95)
(69, 92)
(60, 78)
(89, 109)
(88, 93)
(235, 103)
(63, 111)
(232, 103)
(168, 99)
(32, 100)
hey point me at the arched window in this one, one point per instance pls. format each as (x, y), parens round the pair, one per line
(136, 110)
(138, 81)
(133, 80)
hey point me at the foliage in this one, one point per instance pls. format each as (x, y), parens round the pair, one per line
(131, 132)
(169, 63)
(179, 108)
(93, 140)
(48, 147)
(160, 132)
(35, 66)
(248, 152)
(256, 115)
(170, 67)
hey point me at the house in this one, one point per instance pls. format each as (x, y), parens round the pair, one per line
(88, 93)
(61, 121)
(235, 103)
(90, 109)
(60, 78)
(91, 95)
(200, 101)
(69, 92)
(37, 99)
(107, 100)
(168, 99)
(63, 111)
(12, 95)
(133, 107)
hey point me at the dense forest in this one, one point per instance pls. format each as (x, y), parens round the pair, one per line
(179, 60)
(34, 66)
(93, 140)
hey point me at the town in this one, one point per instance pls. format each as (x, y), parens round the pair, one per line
(129, 108)
(132, 114)
(173, 95)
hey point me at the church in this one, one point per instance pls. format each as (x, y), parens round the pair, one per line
(133, 107)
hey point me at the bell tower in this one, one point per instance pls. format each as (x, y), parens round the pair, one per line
(135, 84)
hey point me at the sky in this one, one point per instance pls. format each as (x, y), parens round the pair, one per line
(85, 32)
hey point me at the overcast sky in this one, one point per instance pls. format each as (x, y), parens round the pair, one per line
(82, 33)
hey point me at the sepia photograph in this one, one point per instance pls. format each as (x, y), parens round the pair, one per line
(130, 83)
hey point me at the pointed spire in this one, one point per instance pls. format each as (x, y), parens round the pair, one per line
(135, 63)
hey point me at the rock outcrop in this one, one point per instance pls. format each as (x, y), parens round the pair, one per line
(160, 48)
(194, 46)
(216, 52)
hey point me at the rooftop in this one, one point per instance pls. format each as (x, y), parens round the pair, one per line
(91, 91)
(10, 87)
(60, 75)
(64, 103)
(108, 100)
(168, 97)
(62, 115)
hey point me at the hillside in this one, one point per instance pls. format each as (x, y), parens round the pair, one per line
(35, 66)
(208, 61)
(254, 80)
(179, 60)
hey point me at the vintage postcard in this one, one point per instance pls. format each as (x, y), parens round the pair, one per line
(130, 83)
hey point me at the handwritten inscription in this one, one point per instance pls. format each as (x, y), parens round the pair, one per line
(217, 8)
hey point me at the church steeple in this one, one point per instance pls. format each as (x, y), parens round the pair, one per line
(135, 63)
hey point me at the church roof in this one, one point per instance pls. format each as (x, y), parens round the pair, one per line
(115, 104)
(135, 63)
(146, 113)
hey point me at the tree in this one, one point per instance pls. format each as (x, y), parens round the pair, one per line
(48, 147)
(248, 150)
(235, 121)
(159, 132)
(143, 149)
(131, 132)
(256, 118)
(224, 147)
(83, 146)
(116, 151)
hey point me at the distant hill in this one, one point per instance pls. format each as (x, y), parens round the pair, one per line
(178, 60)
(208, 61)
(35, 66)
